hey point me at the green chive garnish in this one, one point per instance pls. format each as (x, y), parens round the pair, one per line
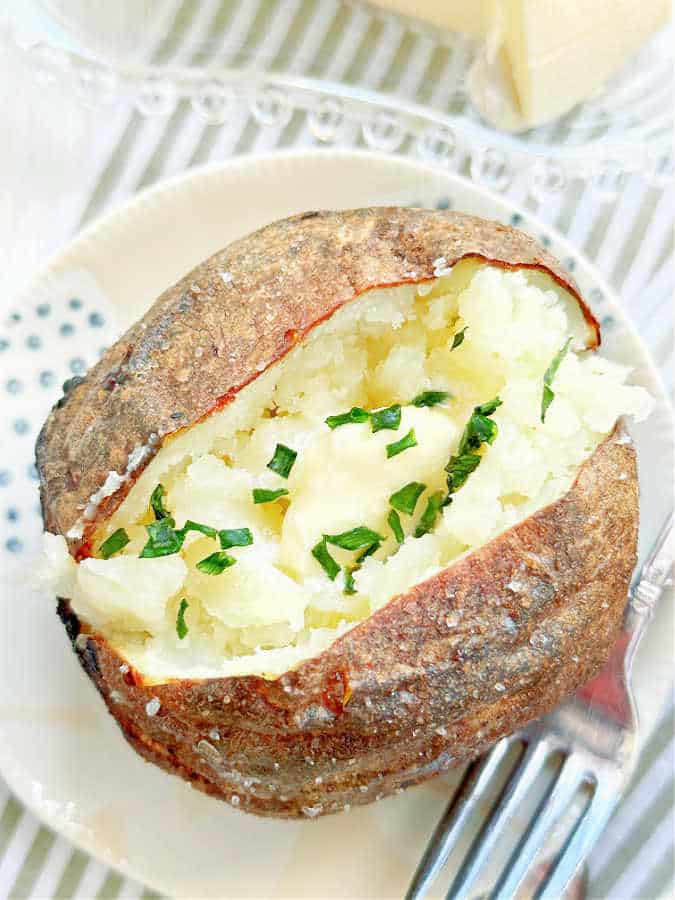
(486, 409)
(282, 461)
(157, 503)
(262, 495)
(354, 539)
(325, 560)
(458, 338)
(181, 626)
(430, 398)
(164, 539)
(368, 552)
(112, 545)
(388, 418)
(197, 526)
(480, 429)
(430, 514)
(235, 537)
(394, 521)
(215, 563)
(547, 394)
(405, 499)
(459, 468)
(404, 444)
(350, 586)
(355, 414)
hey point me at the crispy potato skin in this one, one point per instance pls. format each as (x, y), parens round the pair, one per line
(245, 307)
(493, 641)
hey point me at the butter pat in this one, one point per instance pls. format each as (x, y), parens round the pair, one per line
(468, 16)
(539, 58)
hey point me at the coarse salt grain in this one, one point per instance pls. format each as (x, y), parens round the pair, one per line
(311, 811)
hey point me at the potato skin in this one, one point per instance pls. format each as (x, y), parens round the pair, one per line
(245, 307)
(438, 674)
(495, 640)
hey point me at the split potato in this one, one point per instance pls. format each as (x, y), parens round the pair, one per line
(352, 501)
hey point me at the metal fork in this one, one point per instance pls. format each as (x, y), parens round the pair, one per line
(595, 731)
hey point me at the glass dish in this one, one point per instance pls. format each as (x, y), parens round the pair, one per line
(349, 74)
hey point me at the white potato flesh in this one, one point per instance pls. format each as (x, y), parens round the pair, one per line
(253, 592)
(127, 590)
(276, 606)
(345, 475)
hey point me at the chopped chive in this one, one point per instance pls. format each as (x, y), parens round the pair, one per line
(428, 520)
(547, 394)
(197, 526)
(405, 499)
(486, 409)
(350, 586)
(458, 338)
(459, 468)
(479, 429)
(394, 521)
(163, 539)
(355, 414)
(404, 444)
(282, 461)
(387, 418)
(368, 551)
(325, 560)
(262, 495)
(354, 539)
(112, 545)
(157, 503)
(215, 563)
(181, 625)
(235, 537)
(430, 398)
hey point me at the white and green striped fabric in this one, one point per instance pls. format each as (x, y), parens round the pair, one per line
(629, 237)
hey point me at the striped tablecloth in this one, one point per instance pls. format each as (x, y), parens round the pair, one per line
(83, 161)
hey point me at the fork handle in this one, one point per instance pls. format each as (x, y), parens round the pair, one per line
(655, 575)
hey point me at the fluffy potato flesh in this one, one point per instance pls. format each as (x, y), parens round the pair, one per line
(276, 604)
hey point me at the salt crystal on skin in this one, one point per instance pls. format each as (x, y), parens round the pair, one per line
(152, 707)
(311, 811)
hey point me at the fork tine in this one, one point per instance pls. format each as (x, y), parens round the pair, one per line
(552, 806)
(587, 831)
(460, 808)
(513, 792)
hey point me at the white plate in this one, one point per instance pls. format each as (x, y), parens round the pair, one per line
(59, 750)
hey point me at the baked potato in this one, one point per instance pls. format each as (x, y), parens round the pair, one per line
(353, 500)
